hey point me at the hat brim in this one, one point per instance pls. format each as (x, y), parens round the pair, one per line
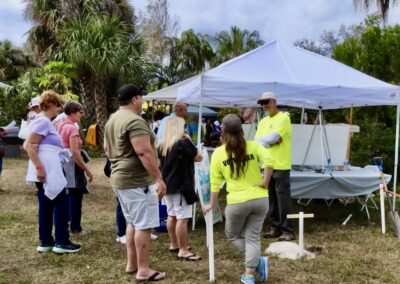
(262, 100)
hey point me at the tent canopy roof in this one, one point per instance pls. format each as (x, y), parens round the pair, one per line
(298, 78)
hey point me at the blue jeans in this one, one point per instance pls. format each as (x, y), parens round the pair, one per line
(121, 222)
(49, 210)
(280, 202)
(75, 197)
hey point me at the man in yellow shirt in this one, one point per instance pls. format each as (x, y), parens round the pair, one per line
(274, 132)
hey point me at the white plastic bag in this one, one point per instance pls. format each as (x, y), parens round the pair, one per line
(23, 131)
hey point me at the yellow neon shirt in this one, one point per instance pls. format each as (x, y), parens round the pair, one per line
(247, 186)
(281, 153)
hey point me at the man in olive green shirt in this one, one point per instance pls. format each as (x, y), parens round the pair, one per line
(275, 133)
(135, 178)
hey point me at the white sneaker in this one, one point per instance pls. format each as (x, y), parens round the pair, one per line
(153, 237)
(121, 240)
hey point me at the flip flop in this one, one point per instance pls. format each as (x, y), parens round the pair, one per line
(153, 277)
(177, 249)
(191, 257)
(132, 272)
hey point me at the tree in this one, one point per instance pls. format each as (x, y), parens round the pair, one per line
(235, 42)
(383, 6)
(187, 56)
(375, 51)
(310, 45)
(158, 28)
(57, 76)
(106, 47)
(13, 61)
(194, 52)
(82, 32)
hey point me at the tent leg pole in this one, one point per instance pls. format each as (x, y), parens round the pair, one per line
(396, 157)
(321, 140)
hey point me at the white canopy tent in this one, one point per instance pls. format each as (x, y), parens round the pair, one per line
(205, 111)
(298, 77)
(168, 94)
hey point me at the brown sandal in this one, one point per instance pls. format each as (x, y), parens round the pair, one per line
(153, 277)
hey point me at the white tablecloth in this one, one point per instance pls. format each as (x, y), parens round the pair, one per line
(353, 182)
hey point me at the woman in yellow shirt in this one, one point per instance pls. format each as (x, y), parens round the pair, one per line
(237, 163)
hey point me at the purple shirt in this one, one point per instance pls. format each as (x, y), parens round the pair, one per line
(42, 125)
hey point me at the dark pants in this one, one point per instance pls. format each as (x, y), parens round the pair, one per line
(280, 203)
(49, 210)
(121, 222)
(1, 165)
(75, 197)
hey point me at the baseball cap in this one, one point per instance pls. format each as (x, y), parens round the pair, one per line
(266, 96)
(128, 91)
(34, 102)
(231, 123)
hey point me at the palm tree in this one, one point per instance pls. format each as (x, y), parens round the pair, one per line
(104, 46)
(235, 42)
(194, 52)
(48, 39)
(13, 61)
(383, 6)
(48, 15)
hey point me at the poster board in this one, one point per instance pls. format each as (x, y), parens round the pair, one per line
(249, 131)
(302, 135)
(202, 184)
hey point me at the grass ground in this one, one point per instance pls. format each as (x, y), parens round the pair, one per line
(356, 253)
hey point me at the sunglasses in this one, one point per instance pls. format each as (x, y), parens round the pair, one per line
(57, 104)
(264, 103)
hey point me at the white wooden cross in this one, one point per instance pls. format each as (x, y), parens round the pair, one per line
(301, 217)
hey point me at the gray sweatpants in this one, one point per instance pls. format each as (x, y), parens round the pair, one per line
(244, 222)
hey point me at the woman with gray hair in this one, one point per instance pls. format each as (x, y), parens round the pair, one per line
(76, 169)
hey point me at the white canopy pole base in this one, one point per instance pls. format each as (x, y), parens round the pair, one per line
(382, 200)
(210, 243)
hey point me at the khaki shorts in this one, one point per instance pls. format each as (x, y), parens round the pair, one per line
(140, 206)
(177, 206)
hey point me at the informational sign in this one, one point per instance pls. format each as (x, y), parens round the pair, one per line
(202, 178)
(329, 139)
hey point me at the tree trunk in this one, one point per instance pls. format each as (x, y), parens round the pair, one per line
(101, 109)
(88, 98)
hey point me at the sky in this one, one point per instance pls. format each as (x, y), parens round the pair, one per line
(288, 20)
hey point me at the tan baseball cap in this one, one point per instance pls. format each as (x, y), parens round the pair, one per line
(266, 96)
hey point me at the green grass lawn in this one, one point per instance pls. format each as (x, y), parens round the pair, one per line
(356, 253)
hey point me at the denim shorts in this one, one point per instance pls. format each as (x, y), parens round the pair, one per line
(140, 206)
